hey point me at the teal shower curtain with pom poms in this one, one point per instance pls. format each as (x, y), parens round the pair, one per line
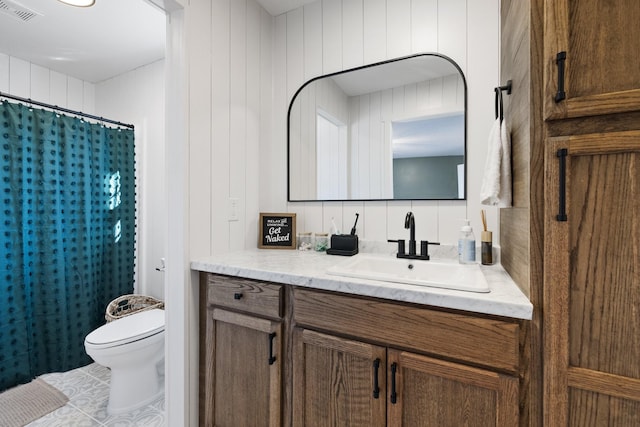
(67, 199)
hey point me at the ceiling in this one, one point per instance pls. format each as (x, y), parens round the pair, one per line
(278, 7)
(94, 43)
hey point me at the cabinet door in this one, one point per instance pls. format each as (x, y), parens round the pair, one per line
(243, 370)
(592, 281)
(429, 392)
(601, 41)
(335, 381)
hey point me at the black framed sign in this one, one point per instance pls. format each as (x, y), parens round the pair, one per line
(277, 231)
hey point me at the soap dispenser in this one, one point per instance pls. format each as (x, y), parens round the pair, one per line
(467, 244)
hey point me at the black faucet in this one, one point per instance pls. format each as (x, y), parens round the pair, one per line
(410, 224)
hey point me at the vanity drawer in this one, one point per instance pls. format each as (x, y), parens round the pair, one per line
(246, 295)
(486, 341)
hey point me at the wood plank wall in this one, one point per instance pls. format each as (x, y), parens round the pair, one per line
(516, 66)
(522, 233)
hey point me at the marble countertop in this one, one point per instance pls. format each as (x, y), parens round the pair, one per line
(308, 269)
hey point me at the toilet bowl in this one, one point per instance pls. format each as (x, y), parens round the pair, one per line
(133, 348)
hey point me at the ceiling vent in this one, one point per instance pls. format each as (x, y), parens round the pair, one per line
(17, 11)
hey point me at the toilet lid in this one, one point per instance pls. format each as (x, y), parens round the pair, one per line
(127, 329)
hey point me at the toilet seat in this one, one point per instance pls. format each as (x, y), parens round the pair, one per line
(128, 329)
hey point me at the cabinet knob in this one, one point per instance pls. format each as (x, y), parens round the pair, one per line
(237, 295)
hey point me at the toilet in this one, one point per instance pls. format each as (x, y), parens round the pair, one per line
(133, 348)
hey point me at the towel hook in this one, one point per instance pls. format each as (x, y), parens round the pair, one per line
(498, 90)
(506, 87)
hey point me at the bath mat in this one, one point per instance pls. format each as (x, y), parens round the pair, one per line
(28, 402)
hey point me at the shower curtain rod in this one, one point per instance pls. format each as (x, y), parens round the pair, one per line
(64, 110)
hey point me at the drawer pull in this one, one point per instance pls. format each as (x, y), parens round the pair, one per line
(376, 386)
(394, 395)
(237, 295)
(272, 358)
(561, 57)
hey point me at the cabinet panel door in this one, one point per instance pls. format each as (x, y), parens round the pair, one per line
(243, 370)
(433, 392)
(334, 381)
(602, 45)
(592, 281)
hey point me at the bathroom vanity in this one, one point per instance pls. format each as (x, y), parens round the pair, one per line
(285, 343)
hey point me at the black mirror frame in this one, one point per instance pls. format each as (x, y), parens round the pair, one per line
(451, 61)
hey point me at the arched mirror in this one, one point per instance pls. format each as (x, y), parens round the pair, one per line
(394, 130)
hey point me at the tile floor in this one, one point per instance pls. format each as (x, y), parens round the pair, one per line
(88, 392)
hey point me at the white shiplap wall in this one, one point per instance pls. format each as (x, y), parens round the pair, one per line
(332, 35)
(27, 80)
(229, 53)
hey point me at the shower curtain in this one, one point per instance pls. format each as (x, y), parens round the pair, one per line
(67, 210)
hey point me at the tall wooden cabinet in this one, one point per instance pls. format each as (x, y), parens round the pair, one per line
(575, 115)
(591, 50)
(592, 280)
(592, 213)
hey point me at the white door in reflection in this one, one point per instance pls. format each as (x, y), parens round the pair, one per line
(332, 159)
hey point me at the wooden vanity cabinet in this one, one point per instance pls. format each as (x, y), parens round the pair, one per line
(350, 360)
(337, 381)
(242, 352)
(347, 348)
(435, 392)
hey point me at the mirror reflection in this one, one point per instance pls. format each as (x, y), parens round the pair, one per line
(392, 130)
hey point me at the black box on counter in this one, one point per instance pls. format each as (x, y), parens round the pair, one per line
(343, 244)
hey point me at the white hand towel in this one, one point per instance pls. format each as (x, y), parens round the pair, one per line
(496, 183)
(505, 194)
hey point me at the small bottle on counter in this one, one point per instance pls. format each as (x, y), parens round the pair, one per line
(466, 244)
(486, 247)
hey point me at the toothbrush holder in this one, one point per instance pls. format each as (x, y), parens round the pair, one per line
(343, 244)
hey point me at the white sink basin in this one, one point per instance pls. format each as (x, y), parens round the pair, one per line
(454, 276)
